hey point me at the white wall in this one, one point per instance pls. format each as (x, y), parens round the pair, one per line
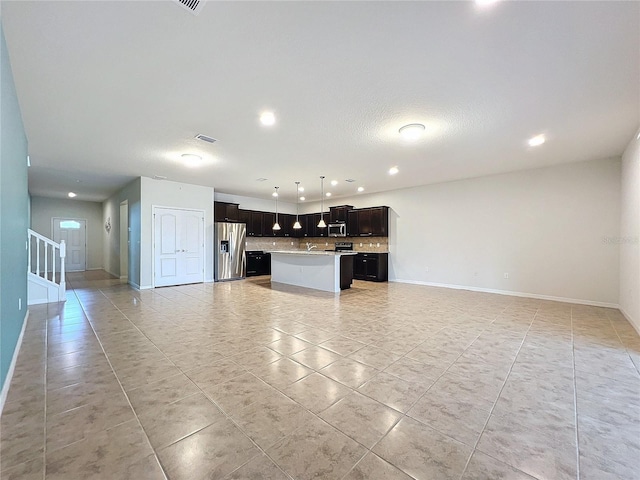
(259, 204)
(547, 228)
(163, 193)
(43, 210)
(630, 234)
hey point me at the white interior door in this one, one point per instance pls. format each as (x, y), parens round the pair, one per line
(178, 246)
(74, 232)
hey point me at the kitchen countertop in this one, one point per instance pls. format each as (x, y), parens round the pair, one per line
(370, 251)
(312, 252)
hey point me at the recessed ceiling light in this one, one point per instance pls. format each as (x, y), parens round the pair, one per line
(191, 160)
(328, 194)
(536, 141)
(274, 194)
(268, 118)
(71, 195)
(361, 189)
(334, 182)
(302, 189)
(393, 170)
(485, 3)
(412, 132)
(302, 199)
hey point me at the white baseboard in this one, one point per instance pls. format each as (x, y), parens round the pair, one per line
(110, 273)
(95, 268)
(144, 287)
(124, 277)
(511, 293)
(635, 323)
(12, 366)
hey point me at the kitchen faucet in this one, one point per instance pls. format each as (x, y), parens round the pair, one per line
(310, 246)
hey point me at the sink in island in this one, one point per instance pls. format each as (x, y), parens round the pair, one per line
(327, 271)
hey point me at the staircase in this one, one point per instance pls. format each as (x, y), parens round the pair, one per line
(46, 270)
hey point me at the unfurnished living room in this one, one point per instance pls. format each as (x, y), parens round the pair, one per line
(320, 240)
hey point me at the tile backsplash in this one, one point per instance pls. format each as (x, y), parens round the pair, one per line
(360, 244)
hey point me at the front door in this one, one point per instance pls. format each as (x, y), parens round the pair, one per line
(178, 246)
(74, 233)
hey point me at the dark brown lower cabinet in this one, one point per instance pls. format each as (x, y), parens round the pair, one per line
(258, 263)
(371, 266)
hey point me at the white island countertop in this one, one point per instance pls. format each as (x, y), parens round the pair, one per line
(319, 270)
(312, 252)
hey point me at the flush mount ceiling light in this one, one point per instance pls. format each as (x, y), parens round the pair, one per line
(536, 141)
(360, 189)
(301, 189)
(321, 223)
(276, 226)
(412, 132)
(267, 118)
(334, 182)
(328, 194)
(393, 170)
(297, 225)
(71, 195)
(191, 160)
(302, 199)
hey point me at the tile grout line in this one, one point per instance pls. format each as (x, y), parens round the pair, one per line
(118, 379)
(637, 367)
(575, 398)
(406, 415)
(46, 390)
(498, 397)
(227, 416)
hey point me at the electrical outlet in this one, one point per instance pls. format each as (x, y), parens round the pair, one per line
(292, 244)
(378, 244)
(506, 275)
(360, 244)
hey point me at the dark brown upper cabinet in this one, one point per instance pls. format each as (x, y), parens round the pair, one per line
(226, 212)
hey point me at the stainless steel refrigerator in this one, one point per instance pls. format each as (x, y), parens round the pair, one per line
(230, 259)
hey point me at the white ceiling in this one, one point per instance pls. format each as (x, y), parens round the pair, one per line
(114, 90)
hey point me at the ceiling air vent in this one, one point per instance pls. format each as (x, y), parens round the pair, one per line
(205, 138)
(350, 180)
(194, 6)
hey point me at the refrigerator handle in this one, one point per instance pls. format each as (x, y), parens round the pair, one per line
(232, 246)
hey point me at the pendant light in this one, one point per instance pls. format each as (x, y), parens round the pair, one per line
(276, 226)
(321, 223)
(297, 225)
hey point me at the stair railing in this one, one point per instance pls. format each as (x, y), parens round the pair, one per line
(44, 255)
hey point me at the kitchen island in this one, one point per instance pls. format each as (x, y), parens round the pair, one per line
(327, 271)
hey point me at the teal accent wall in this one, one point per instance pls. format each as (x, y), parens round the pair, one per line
(14, 214)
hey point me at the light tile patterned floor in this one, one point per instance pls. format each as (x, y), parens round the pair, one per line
(386, 381)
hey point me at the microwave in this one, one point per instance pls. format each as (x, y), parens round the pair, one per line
(337, 229)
